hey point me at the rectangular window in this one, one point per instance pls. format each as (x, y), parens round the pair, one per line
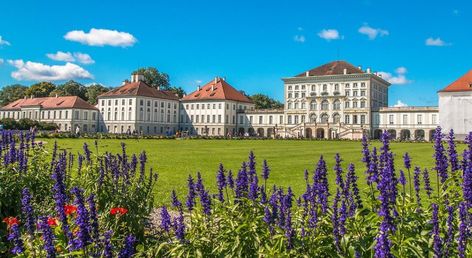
(433, 119)
(420, 119)
(346, 119)
(362, 119)
(405, 119)
(390, 119)
(260, 119)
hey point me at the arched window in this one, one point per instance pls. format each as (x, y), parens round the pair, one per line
(324, 118)
(337, 105)
(324, 105)
(313, 118)
(336, 118)
(313, 105)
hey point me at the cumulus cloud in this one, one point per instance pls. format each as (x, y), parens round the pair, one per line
(399, 78)
(400, 104)
(299, 38)
(69, 57)
(372, 33)
(436, 42)
(4, 42)
(41, 72)
(101, 37)
(83, 58)
(61, 56)
(329, 34)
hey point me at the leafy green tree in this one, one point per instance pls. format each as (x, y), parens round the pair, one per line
(93, 91)
(178, 90)
(154, 78)
(11, 93)
(73, 88)
(265, 102)
(40, 89)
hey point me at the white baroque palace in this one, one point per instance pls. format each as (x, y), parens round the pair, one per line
(334, 101)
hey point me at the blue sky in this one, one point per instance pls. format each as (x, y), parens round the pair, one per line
(420, 45)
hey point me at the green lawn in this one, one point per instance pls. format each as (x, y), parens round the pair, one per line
(174, 160)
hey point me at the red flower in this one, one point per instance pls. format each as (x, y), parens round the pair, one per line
(10, 221)
(118, 211)
(69, 209)
(52, 222)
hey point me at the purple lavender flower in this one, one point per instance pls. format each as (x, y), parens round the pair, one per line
(467, 186)
(355, 189)
(175, 200)
(320, 184)
(199, 187)
(179, 227)
(87, 152)
(417, 185)
(267, 216)
(463, 230)
(190, 203)
(15, 238)
(263, 195)
(402, 178)
(450, 231)
(342, 218)
(142, 165)
(82, 220)
(48, 237)
(452, 151)
(107, 246)
(439, 156)
(128, 249)
(230, 180)
(427, 183)
(254, 188)
(242, 183)
(165, 219)
(27, 210)
(221, 182)
(407, 164)
(205, 201)
(339, 171)
(265, 170)
(251, 165)
(383, 243)
(437, 241)
(305, 175)
(93, 218)
(374, 167)
(80, 160)
(335, 219)
(289, 232)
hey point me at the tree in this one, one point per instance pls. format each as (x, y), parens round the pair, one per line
(11, 93)
(71, 88)
(154, 78)
(265, 102)
(93, 91)
(41, 89)
(177, 90)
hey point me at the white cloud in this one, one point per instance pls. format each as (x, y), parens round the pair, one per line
(4, 42)
(69, 57)
(1, 61)
(61, 56)
(198, 81)
(399, 78)
(400, 104)
(40, 72)
(101, 37)
(299, 38)
(436, 42)
(329, 34)
(83, 58)
(372, 33)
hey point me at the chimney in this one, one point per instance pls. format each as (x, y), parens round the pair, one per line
(158, 87)
(307, 73)
(344, 71)
(198, 87)
(216, 79)
(212, 87)
(56, 95)
(359, 67)
(137, 77)
(31, 96)
(368, 70)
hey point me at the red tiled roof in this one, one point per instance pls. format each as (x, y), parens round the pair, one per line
(217, 89)
(333, 68)
(140, 89)
(464, 83)
(50, 103)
